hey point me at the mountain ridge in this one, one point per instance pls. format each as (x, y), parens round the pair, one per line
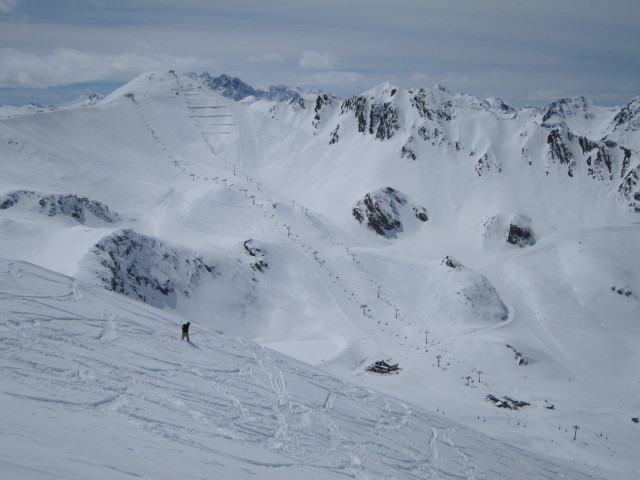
(239, 216)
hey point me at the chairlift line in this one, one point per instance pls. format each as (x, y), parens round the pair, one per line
(209, 116)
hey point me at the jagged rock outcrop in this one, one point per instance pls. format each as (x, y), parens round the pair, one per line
(628, 118)
(146, 268)
(78, 208)
(378, 118)
(512, 229)
(559, 151)
(322, 101)
(451, 262)
(599, 158)
(559, 110)
(388, 212)
(629, 189)
(428, 107)
(259, 261)
(236, 89)
(359, 106)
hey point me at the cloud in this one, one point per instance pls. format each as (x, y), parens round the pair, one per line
(420, 78)
(543, 94)
(7, 6)
(67, 66)
(337, 78)
(317, 61)
(271, 57)
(454, 78)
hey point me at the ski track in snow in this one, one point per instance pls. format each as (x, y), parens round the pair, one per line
(111, 360)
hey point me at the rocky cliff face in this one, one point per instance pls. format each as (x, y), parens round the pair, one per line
(147, 269)
(628, 118)
(512, 229)
(388, 212)
(236, 89)
(80, 209)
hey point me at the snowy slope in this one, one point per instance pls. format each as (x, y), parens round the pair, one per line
(98, 386)
(239, 217)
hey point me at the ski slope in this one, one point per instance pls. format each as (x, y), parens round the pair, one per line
(195, 176)
(98, 386)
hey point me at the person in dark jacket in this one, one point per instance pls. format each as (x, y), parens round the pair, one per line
(185, 331)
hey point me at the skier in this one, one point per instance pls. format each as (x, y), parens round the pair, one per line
(185, 331)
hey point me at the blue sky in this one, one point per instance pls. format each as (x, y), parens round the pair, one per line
(527, 53)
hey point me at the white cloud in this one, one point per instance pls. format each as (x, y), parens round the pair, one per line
(337, 78)
(543, 94)
(454, 78)
(420, 78)
(7, 5)
(66, 66)
(318, 61)
(271, 57)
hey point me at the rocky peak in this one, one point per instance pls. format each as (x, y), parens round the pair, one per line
(388, 212)
(236, 89)
(628, 118)
(567, 107)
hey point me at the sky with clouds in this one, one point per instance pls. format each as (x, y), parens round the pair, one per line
(527, 53)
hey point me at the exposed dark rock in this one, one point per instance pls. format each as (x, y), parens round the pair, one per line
(628, 118)
(236, 89)
(428, 108)
(512, 229)
(334, 136)
(421, 213)
(520, 235)
(66, 205)
(385, 210)
(379, 119)
(146, 269)
(406, 151)
(629, 189)
(11, 199)
(566, 107)
(383, 120)
(451, 262)
(322, 101)
(558, 150)
(260, 264)
(358, 105)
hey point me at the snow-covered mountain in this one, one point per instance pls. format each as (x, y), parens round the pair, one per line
(443, 232)
(96, 386)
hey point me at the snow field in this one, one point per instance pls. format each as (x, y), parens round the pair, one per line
(238, 409)
(132, 399)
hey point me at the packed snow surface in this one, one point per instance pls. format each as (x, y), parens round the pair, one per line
(125, 216)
